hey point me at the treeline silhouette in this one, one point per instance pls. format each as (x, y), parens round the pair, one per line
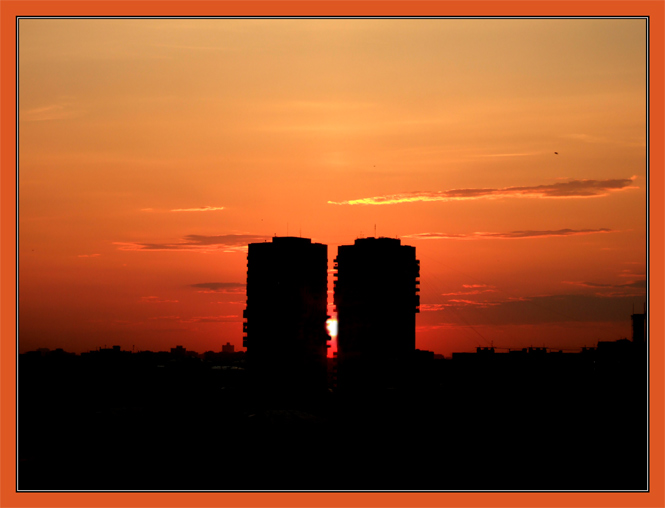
(521, 420)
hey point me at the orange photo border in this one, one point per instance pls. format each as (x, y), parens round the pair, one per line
(10, 9)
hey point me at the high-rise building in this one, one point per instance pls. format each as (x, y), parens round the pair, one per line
(286, 313)
(376, 298)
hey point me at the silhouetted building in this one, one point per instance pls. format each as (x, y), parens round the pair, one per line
(228, 348)
(286, 313)
(639, 327)
(376, 297)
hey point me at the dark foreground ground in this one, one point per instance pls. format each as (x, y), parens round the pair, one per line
(186, 426)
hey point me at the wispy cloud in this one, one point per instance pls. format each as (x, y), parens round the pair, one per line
(195, 209)
(197, 319)
(634, 288)
(196, 243)
(89, 255)
(635, 284)
(457, 302)
(200, 209)
(631, 274)
(165, 318)
(220, 287)
(472, 292)
(156, 299)
(230, 240)
(587, 138)
(191, 47)
(508, 154)
(570, 189)
(57, 111)
(607, 306)
(512, 235)
(431, 307)
(211, 319)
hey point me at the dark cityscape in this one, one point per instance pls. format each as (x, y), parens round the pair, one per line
(378, 415)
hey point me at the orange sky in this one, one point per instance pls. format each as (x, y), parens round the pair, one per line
(152, 151)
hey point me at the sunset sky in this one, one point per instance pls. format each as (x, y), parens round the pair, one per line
(151, 152)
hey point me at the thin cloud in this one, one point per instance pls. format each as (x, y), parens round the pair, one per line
(570, 189)
(631, 274)
(635, 284)
(196, 243)
(220, 287)
(200, 209)
(211, 319)
(228, 240)
(51, 112)
(472, 292)
(89, 255)
(587, 138)
(508, 154)
(191, 47)
(458, 302)
(512, 235)
(620, 294)
(426, 328)
(432, 307)
(613, 306)
(156, 299)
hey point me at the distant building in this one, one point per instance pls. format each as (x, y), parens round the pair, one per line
(228, 348)
(181, 352)
(376, 298)
(286, 313)
(178, 351)
(639, 327)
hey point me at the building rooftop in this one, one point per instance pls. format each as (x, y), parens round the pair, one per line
(382, 240)
(291, 239)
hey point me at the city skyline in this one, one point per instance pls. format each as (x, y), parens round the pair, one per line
(510, 153)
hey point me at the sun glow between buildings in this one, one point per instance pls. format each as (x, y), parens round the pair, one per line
(331, 326)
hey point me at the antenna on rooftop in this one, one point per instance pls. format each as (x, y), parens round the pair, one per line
(375, 231)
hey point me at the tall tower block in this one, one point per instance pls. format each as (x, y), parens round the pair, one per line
(286, 313)
(376, 298)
